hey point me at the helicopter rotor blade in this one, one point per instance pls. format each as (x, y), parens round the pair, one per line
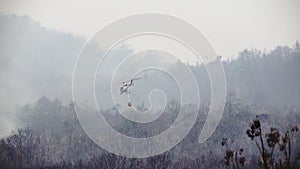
(133, 79)
(137, 78)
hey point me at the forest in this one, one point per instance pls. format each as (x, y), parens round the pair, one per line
(258, 128)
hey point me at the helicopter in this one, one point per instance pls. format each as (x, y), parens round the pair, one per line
(124, 89)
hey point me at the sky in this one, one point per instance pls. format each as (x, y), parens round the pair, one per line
(230, 25)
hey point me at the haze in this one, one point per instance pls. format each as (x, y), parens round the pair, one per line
(230, 25)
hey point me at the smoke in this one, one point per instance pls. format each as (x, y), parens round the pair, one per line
(36, 62)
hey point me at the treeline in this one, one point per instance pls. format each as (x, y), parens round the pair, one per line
(51, 137)
(261, 78)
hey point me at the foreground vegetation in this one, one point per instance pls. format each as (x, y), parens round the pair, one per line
(53, 138)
